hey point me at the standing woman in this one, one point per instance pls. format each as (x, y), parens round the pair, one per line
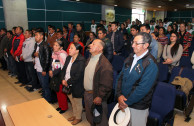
(162, 38)
(173, 51)
(57, 63)
(72, 75)
(76, 39)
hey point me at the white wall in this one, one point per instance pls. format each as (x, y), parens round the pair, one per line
(15, 13)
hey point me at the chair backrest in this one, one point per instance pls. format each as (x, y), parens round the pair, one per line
(117, 63)
(163, 72)
(163, 99)
(187, 72)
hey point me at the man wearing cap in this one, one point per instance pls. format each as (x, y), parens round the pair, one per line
(98, 79)
(137, 80)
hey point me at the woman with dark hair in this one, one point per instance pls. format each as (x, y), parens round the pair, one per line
(92, 37)
(123, 29)
(175, 27)
(173, 51)
(57, 62)
(72, 76)
(169, 31)
(65, 32)
(162, 38)
(76, 39)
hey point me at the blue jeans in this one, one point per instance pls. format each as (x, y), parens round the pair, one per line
(12, 65)
(44, 82)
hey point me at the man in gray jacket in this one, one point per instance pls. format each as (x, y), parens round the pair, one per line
(26, 56)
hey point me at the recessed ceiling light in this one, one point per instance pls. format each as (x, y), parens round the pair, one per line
(175, 9)
(77, 0)
(170, 0)
(115, 5)
(159, 6)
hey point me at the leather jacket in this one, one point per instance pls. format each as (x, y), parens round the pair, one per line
(44, 55)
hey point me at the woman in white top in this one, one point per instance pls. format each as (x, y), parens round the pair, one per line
(72, 76)
(173, 51)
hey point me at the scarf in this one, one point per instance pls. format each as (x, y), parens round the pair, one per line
(57, 56)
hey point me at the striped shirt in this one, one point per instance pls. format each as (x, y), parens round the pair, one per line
(185, 40)
(163, 40)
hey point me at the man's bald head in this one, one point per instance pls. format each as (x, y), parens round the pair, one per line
(97, 47)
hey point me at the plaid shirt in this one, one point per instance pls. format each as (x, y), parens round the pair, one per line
(186, 41)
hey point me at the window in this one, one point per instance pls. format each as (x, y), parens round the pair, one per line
(138, 14)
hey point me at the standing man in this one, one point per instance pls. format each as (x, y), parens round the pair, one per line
(52, 36)
(63, 40)
(185, 40)
(108, 49)
(137, 80)
(71, 32)
(16, 51)
(26, 56)
(81, 33)
(3, 43)
(93, 26)
(98, 79)
(154, 43)
(116, 38)
(42, 55)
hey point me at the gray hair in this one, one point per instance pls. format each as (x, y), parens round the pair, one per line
(146, 37)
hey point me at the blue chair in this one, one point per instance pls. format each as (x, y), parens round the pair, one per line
(163, 72)
(181, 98)
(162, 106)
(117, 63)
(185, 61)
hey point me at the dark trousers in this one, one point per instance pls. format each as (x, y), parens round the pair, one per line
(44, 82)
(21, 72)
(31, 74)
(12, 65)
(88, 98)
(3, 63)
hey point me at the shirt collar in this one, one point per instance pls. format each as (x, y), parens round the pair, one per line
(141, 56)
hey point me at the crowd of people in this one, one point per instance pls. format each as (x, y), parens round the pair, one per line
(67, 63)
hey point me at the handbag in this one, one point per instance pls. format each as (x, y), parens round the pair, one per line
(55, 83)
(66, 90)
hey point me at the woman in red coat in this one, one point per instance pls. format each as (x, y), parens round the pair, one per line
(76, 39)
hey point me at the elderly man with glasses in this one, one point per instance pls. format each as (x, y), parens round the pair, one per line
(137, 80)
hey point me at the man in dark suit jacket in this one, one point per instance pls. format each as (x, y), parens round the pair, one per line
(64, 41)
(116, 38)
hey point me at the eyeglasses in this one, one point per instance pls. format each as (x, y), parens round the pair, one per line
(136, 43)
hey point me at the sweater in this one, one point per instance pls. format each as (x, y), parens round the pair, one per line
(175, 58)
(27, 49)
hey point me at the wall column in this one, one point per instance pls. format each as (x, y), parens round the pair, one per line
(15, 12)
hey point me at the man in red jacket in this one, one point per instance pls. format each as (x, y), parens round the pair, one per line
(16, 51)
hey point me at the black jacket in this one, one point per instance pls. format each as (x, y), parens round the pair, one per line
(118, 41)
(108, 49)
(77, 75)
(65, 43)
(82, 36)
(44, 55)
